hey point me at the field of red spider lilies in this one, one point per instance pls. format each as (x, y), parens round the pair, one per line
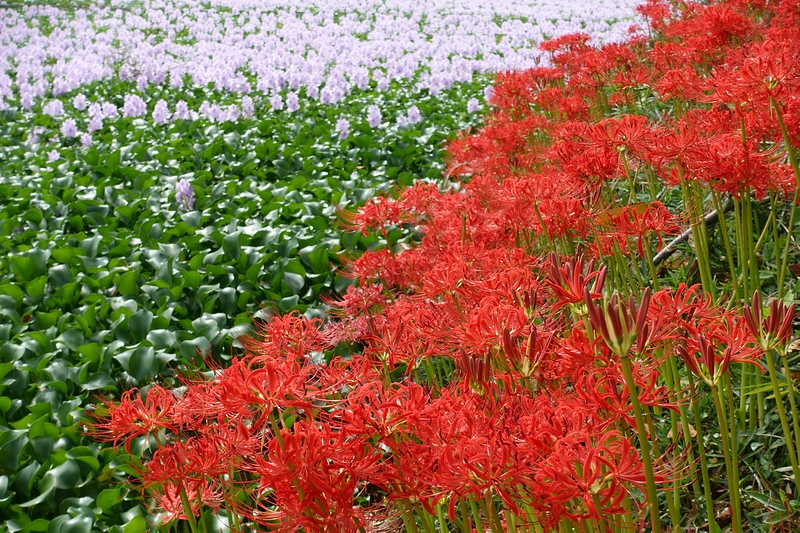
(586, 327)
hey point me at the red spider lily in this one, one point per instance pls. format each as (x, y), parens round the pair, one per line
(775, 329)
(709, 354)
(570, 281)
(640, 221)
(527, 364)
(620, 324)
(313, 473)
(477, 370)
(289, 336)
(378, 213)
(134, 417)
(168, 500)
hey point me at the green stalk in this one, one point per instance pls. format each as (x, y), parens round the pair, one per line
(466, 526)
(701, 450)
(648, 252)
(733, 487)
(670, 373)
(734, 434)
(596, 501)
(792, 155)
(773, 376)
(476, 516)
(694, 206)
(723, 227)
(440, 517)
(408, 517)
(792, 400)
(647, 460)
(188, 509)
(426, 519)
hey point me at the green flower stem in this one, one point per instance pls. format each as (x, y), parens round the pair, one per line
(672, 377)
(776, 390)
(466, 526)
(723, 227)
(598, 506)
(425, 518)
(440, 517)
(734, 434)
(733, 487)
(644, 443)
(188, 510)
(792, 155)
(694, 206)
(408, 517)
(792, 401)
(701, 449)
(750, 244)
(476, 515)
(648, 252)
(511, 521)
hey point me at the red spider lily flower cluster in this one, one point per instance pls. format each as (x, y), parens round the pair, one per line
(489, 369)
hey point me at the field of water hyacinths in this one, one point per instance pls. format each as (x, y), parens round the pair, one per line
(366, 267)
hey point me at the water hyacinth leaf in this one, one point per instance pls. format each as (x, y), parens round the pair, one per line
(161, 338)
(294, 281)
(127, 283)
(109, 499)
(59, 275)
(315, 257)
(227, 298)
(40, 524)
(11, 446)
(76, 524)
(230, 245)
(13, 291)
(137, 524)
(139, 324)
(143, 363)
(72, 338)
(99, 381)
(191, 348)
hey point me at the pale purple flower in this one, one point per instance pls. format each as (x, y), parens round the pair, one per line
(33, 136)
(343, 127)
(276, 102)
(134, 106)
(248, 109)
(231, 114)
(181, 111)
(292, 102)
(86, 140)
(26, 100)
(402, 120)
(185, 195)
(53, 156)
(414, 115)
(383, 84)
(95, 124)
(487, 93)
(54, 108)
(79, 102)
(69, 129)
(160, 112)
(110, 110)
(175, 79)
(473, 105)
(373, 116)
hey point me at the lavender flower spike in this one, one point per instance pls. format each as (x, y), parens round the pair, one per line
(185, 195)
